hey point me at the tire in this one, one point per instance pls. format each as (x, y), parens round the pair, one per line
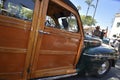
(103, 69)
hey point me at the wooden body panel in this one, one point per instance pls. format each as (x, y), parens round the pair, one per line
(59, 47)
(27, 53)
(55, 53)
(57, 50)
(15, 64)
(13, 47)
(15, 38)
(59, 41)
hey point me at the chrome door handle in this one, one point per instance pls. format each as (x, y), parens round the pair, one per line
(43, 32)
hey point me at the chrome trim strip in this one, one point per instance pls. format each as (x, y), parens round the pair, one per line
(101, 56)
(43, 32)
(58, 77)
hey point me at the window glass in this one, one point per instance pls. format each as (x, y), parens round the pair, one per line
(118, 24)
(17, 8)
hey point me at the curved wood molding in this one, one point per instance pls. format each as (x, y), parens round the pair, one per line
(13, 22)
(13, 50)
(53, 72)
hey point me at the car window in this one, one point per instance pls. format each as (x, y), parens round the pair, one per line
(50, 22)
(17, 8)
(61, 18)
(68, 23)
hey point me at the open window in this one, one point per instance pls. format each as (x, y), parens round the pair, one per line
(69, 23)
(61, 18)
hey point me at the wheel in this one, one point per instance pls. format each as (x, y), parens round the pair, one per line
(103, 69)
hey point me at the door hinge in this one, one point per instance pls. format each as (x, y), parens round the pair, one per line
(28, 70)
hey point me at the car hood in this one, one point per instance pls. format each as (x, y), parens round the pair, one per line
(90, 41)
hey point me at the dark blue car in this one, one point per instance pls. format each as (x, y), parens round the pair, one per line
(97, 57)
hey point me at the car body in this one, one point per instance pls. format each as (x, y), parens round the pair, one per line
(97, 57)
(106, 41)
(44, 38)
(35, 43)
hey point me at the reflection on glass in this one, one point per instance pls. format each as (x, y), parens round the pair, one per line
(68, 23)
(18, 9)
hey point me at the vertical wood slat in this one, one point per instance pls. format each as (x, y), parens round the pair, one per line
(31, 42)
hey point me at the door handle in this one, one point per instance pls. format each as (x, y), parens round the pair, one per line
(43, 32)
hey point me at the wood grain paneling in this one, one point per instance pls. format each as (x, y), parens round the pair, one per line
(10, 62)
(25, 53)
(46, 61)
(58, 42)
(14, 36)
(54, 53)
(14, 22)
(12, 76)
(13, 50)
(53, 72)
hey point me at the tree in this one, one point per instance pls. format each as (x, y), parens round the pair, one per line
(95, 9)
(79, 7)
(89, 3)
(88, 20)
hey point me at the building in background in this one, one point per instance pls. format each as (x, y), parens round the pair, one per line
(88, 29)
(115, 31)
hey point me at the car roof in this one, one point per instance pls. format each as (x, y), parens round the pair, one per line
(70, 4)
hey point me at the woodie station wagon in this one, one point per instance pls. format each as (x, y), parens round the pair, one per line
(42, 38)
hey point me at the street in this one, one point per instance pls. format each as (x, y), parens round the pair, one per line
(114, 74)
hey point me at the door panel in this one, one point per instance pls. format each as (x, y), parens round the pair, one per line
(55, 53)
(54, 61)
(56, 49)
(59, 42)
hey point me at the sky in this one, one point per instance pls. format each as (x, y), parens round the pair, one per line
(105, 13)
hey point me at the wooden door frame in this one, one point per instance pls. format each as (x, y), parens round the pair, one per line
(38, 20)
(26, 72)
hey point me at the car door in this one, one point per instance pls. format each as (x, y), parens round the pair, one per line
(56, 48)
(16, 38)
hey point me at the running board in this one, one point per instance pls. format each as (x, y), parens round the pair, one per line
(58, 77)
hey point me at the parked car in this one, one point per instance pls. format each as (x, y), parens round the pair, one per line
(97, 57)
(45, 38)
(106, 41)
